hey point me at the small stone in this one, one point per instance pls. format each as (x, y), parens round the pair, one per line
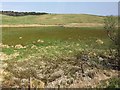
(99, 42)
(100, 59)
(18, 46)
(20, 37)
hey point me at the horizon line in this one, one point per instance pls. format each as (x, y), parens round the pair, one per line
(56, 13)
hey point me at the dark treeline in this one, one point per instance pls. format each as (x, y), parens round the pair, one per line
(12, 13)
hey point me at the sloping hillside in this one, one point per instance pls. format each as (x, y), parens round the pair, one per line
(52, 19)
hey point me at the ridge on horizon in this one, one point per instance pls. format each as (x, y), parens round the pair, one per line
(24, 13)
(18, 13)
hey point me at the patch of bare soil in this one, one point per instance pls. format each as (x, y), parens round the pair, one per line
(67, 25)
(83, 25)
(27, 25)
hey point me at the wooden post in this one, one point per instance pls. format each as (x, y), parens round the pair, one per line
(58, 87)
(29, 83)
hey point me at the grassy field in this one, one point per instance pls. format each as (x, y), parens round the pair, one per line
(52, 19)
(11, 36)
(54, 54)
(58, 39)
(85, 37)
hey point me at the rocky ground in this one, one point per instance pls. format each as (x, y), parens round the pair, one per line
(81, 70)
(45, 73)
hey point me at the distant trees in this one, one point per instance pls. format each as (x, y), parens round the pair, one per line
(12, 13)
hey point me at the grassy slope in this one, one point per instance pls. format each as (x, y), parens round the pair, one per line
(52, 19)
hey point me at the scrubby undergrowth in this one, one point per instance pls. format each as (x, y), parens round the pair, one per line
(64, 65)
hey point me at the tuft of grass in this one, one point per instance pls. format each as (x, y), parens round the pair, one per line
(114, 83)
(110, 83)
(8, 51)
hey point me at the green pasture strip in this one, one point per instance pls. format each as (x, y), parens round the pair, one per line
(11, 35)
(52, 19)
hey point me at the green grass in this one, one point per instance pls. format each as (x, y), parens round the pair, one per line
(11, 36)
(58, 41)
(52, 19)
(112, 83)
(8, 51)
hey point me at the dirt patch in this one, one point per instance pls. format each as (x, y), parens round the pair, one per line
(67, 25)
(83, 25)
(27, 25)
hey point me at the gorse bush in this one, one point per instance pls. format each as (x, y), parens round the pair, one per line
(111, 27)
(114, 83)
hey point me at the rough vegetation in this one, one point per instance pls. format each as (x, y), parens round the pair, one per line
(59, 66)
(57, 57)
